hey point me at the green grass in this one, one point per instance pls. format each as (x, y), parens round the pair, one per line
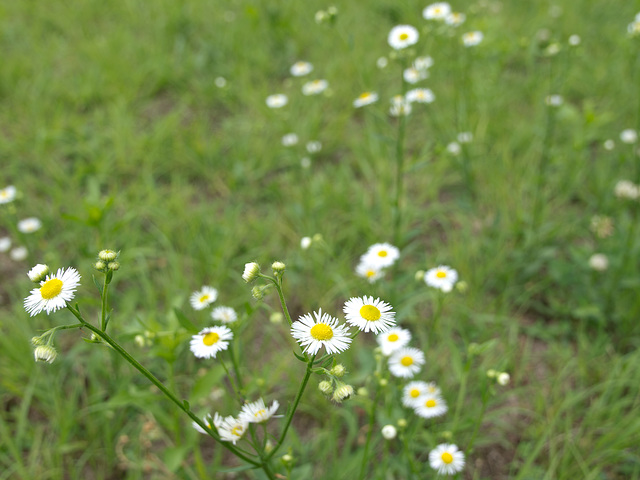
(113, 131)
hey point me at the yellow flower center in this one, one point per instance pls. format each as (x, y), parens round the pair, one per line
(260, 413)
(370, 273)
(210, 338)
(406, 361)
(237, 431)
(203, 298)
(4, 194)
(415, 393)
(404, 36)
(393, 337)
(51, 288)
(430, 403)
(370, 313)
(447, 457)
(365, 95)
(382, 253)
(321, 331)
(441, 274)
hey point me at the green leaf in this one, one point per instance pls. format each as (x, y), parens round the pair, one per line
(174, 456)
(97, 284)
(185, 322)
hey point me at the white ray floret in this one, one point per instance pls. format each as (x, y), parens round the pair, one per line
(210, 341)
(54, 292)
(368, 314)
(393, 339)
(204, 297)
(446, 459)
(406, 362)
(317, 330)
(258, 412)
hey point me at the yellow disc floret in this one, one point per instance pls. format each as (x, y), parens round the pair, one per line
(210, 338)
(447, 457)
(51, 288)
(370, 313)
(321, 331)
(430, 403)
(406, 361)
(393, 337)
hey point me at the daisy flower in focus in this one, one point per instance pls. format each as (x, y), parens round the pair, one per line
(381, 254)
(210, 341)
(368, 314)
(369, 270)
(277, 100)
(54, 292)
(471, 39)
(429, 406)
(420, 95)
(436, 11)
(229, 428)
(29, 225)
(8, 194)
(406, 362)
(257, 412)
(321, 331)
(300, 69)
(203, 297)
(446, 459)
(314, 87)
(393, 339)
(442, 277)
(402, 36)
(413, 392)
(365, 98)
(224, 314)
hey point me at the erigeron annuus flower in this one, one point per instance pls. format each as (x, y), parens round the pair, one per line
(204, 297)
(601, 226)
(599, 262)
(321, 331)
(277, 100)
(365, 98)
(389, 432)
(420, 95)
(207, 420)
(430, 405)
(229, 428)
(224, 314)
(446, 459)
(251, 271)
(574, 40)
(54, 292)
(382, 62)
(220, 82)
(436, 11)
(8, 194)
(609, 144)
(38, 273)
(455, 19)
(368, 314)
(29, 225)
(399, 108)
(289, 139)
(342, 392)
(210, 341)
(370, 271)
(257, 412)
(413, 392)
(423, 63)
(305, 242)
(442, 277)
(19, 253)
(300, 69)
(45, 353)
(402, 36)
(503, 378)
(471, 39)
(314, 87)
(381, 254)
(413, 75)
(393, 339)
(633, 29)
(629, 136)
(406, 362)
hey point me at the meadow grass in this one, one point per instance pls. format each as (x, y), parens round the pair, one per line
(116, 136)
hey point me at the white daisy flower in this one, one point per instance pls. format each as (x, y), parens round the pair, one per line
(629, 136)
(554, 100)
(455, 19)
(441, 277)
(368, 314)
(289, 139)
(257, 412)
(381, 254)
(389, 432)
(436, 11)
(413, 392)
(382, 62)
(423, 63)
(251, 271)
(402, 36)
(406, 362)
(372, 272)
(300, 69)
(208, 421)
(54, 292)
(8, 194)
(19, 253)
(446, 459)
(314, 87)
(210, 341)
(305, 242)
(365, 98)
(429, 406)
(323, 331)
(633, 28)
(599, 262)
(29, 225)
(393, 339)
(203, 298)
(38, 273)
(471, 39)
(277, 100)
(420, 95)
(454, 148)
(5, 244)
(413, 75)
(229, 428)
(314, 146)
(224, 314)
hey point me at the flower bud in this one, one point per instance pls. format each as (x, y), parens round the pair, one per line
(276, 318)
(287, 458)
(113, 266)
(325, 387)
(305, 242)
(338, 371)
(278, 268)
(342, 392)
(251, 272)
(503, 378)
(100, 266)
(38, 273)
(419, 276)
(35, 341)
(491, 373)
(402, 423)
(107, 255)
(383, 382)
(45, 353)
(462, 286)
(363, 392)
(257, 293)
(389, 432)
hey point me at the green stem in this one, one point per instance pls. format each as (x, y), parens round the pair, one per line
(372, 420)
(289, 418)
(235, 389)
(105, 300)
(236, 369)
(134, 363)
(285, 310)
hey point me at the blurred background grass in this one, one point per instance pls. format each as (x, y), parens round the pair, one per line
(114, 132)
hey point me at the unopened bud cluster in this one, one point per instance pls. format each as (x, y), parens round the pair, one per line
(107, 261)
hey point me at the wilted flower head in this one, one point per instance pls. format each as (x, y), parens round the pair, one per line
(45, 353)
(342, 392)
(601, 226)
